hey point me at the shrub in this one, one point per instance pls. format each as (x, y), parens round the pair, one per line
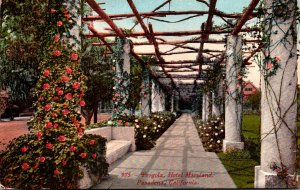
(211, 133)
(234, 154)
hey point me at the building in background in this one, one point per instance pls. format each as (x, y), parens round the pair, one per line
(248, 89)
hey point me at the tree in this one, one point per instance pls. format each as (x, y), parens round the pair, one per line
(254, 100)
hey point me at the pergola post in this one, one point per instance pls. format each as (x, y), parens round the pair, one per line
(162, 100)
(233, 99)
(145, 100)
(205, 106)
(217, 100)
(279, 98)
(172, 102)
(154, 97)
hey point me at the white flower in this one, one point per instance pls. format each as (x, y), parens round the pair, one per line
(202, 133)
(157, 131)
(114, 88)
(210, 145)
(211, 139)
(209, 127)
(218, 118)
(146, 128)
(136, 120)
(204, 128)
(216, 134)
(221, 130)
(219, 141)
(137, 126)
(155, 128)
(216, 127)
(207, 134)
(221, 123)
(158, 126)
(144, 136)
(109, 122)
(114, 60)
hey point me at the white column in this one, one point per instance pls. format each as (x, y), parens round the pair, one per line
(162, 99)
(154, 98)
(172, 102)
(145, 108)
(205, 106)
(217, 101)
(233, 99)
(279, 98)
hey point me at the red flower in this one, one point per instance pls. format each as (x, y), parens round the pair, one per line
(67, 16)
(46, 86)
(49, 145)
(25, 166)
(65, 78)
(56, 38)
(64, 163)
(55, 98)
(74, 57)
(73, 148)
(59, 23)
(60, 92)
(49, 125)
(76, 85)
(57, 89)
(65, 112)
(35, 166)
(56, 172)
(47, 107)
(126, 123)
(39, 134)
(46, 73)
(83, 155)
(62, 138)
(68, 96)
(56, 53)
(119, 121)
(55, 125)
(53, 11)
(82, 103)
(24, 148)
(92, 142)
(68, 70)
(41, 98)
(269, 66)
(42, 159)
(94, 156)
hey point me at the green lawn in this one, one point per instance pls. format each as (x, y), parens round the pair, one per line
(241, 166)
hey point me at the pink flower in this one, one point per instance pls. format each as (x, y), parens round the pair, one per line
(237, 86)
(55, 98)
(53, 11)
(55, 125)
(46, 73)
(41, 98)
(62, 138)
(56, 38)
(278, 58)
(64, 162)
(59, 23)
(126, 123)
(92, 142)
(83, 155)
(68, 70)
(65, 112)
(76, 85)
(74, 57)
(39, 134)
(56, 172)
(47, 107)
(46, 86)
(49, 125)
(25, 166)
(73, 148)
(67, 16)
(82, 103)
(116, 94)
(269, 66)
(228, 89)
(65, 78)
(56, 53)
(24, 148)
(94, 156)
(42, 159)
(68, 96)
(53, 115)
(49, 145)
(60, 92)
(119, 121)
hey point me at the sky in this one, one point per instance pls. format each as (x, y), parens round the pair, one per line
(227, 6)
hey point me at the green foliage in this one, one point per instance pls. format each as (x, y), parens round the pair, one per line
(211, 133)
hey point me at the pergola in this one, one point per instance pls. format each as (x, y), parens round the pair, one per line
(170, 72)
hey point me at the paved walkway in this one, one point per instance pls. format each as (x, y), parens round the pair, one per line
(178, 161)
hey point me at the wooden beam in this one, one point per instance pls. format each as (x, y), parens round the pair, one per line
(165, 13)
(176, 33)
(105, 17)
(163, 4)
(244, 17)
(93, 30)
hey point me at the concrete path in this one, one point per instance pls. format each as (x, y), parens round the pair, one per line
(178, 161)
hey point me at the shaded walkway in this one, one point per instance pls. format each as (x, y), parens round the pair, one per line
(178, 160)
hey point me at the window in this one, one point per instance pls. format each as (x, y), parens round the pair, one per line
(248, 89)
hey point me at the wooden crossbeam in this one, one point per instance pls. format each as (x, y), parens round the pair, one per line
(93, 30)
(175, 33)
(244, 17)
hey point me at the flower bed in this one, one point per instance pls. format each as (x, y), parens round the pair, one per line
(147, 128)
(211, 133)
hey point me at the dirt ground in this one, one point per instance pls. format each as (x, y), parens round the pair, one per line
(12, 129)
